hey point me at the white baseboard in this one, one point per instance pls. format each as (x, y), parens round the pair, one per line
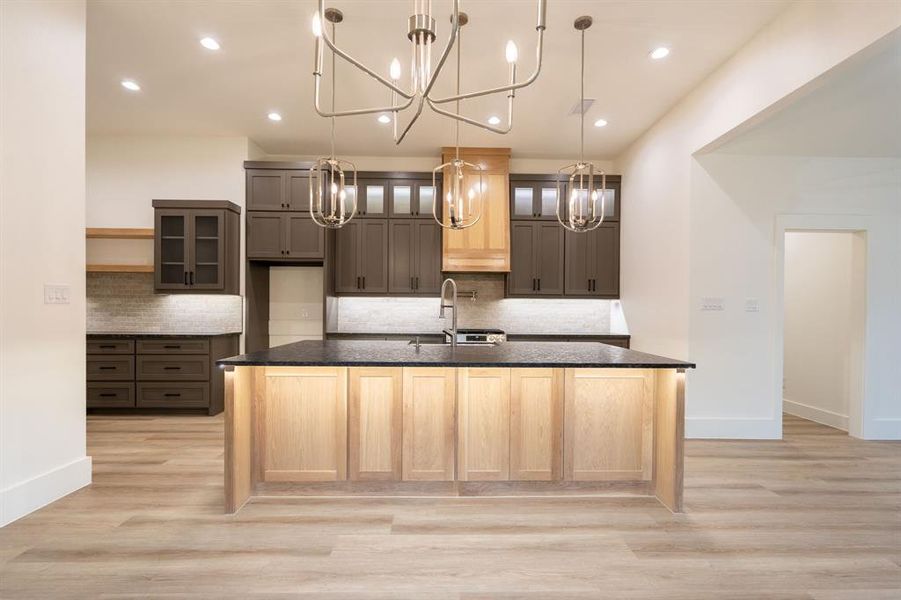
(733, 428)
(883, 429)
(812, 413)
(27, 496)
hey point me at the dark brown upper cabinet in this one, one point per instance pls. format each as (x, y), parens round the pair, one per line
(535, 197)
(414, 257)
(278, 190)
(537, 259)
(592, 262)
(196, 246)
(284, 236)
(266, 189)
(361, 257)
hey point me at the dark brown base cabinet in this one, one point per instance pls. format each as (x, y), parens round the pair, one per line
(157, 372)
(196, 247)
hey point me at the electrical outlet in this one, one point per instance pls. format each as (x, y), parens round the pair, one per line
(710, 303)
(56, 294)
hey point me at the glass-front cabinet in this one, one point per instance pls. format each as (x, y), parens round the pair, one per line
(196, 249)
(536, 198)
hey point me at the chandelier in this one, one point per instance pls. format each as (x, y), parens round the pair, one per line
(581, 206)
(328, 192)
(422, 33)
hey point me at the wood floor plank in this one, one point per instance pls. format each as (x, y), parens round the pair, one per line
(816, 516)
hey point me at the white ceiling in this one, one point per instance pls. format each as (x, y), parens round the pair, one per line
(854, 110)
(266, 60)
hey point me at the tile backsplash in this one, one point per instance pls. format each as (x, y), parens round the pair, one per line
(126, 303)
(490, 309)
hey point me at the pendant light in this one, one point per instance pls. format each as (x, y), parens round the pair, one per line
(328, 190)
(581, 204)
(461, 207)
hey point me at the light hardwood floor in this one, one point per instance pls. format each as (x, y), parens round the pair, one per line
(816, 516)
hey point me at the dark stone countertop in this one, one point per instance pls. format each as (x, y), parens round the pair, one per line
(120, 334)
(371, 353)
(346, 335)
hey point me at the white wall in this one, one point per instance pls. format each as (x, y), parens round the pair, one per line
(674, 248)
(295, 304)
(42, 364)
(824, 302)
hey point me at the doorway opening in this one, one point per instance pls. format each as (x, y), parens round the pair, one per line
(824, 328)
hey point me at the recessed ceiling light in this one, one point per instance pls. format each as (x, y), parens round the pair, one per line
(384, 119)
(209, 43)
(600, 123)
(131, 85)
(661, 52)
(494, 120)
(274, 116)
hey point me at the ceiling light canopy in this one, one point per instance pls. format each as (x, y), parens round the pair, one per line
(274, 116)
(209, 43)
(579, 211)
(131, 85)
(421, 32)
(660, 52)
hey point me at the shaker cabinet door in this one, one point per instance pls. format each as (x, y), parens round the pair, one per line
(427, 257)
(521, 280)
(548, 258)
(401, 257)
(347, 259)
(207, 248)
(171, 249)
(265, 237)
(266, 189)
(605, 277)
(305, 239)
(374, 256)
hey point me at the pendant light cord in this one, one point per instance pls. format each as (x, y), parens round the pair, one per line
(581, 105)
(456, 121)
(334, 85)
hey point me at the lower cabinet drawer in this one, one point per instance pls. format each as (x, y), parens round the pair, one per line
(173, 346)
(110, 346)
(173, 395)
(110, 368)
(173, 368)
(111, 395)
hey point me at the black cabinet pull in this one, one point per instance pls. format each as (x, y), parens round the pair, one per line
(287, 252)
(172, 395)
(192, 277)
(172, 346)
(186, 278)
(416, 287)
(358, 282)
(171, 368)
(107, 395)
(539, 284)
(364, 282)
(107, 345)
(103, 368)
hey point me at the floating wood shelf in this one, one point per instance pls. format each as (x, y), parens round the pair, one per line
(120, 268)
(120, 233)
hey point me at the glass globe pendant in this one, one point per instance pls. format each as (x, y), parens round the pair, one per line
(328, 177)
(579, 211)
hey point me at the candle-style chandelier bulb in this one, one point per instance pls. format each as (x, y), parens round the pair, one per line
(580, 212)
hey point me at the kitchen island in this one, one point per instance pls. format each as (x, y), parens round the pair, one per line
(346, 417)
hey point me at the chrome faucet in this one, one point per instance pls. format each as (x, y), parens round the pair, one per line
(452, 306)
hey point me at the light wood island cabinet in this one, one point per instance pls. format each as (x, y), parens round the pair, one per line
(455, 430)
(428, 431)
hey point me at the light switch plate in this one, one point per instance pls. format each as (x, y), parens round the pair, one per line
(752, 305)
(56, 294)
(711, 303)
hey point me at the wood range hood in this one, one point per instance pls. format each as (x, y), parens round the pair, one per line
(484, 247)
